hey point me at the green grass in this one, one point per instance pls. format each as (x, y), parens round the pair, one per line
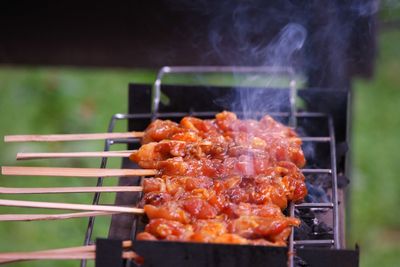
(375, 214)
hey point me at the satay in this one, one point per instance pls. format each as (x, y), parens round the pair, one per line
(222, 180)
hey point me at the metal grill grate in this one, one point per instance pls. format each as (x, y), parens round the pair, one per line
(291, 118)
(334, 201)
(293, 244)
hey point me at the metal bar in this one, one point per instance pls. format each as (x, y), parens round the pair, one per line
(222, 69)
(134, 223)
(328, 171)
(292, 100)
(291, 239)
(314, 205)
(96, 197)
(315, 139)
(327, 242)
(124, 141)
(156, 92)
(212, 113)
(334, 184)
(293, 124)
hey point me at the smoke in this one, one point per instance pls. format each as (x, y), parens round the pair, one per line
(364, 8)
(315, 38)
(278, 53)
(290, 40)
(253, 33)
(244, 33)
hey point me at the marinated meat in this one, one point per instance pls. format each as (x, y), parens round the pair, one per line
(223, 180)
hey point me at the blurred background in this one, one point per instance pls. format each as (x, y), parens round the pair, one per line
(70, 91)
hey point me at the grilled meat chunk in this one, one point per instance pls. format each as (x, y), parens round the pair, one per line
(223, 180)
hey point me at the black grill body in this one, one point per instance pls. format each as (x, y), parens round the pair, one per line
(321, 237)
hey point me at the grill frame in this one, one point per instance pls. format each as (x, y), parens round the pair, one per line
(142, 114)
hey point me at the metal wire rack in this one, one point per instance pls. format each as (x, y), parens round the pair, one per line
(333, 205)
(291, 118)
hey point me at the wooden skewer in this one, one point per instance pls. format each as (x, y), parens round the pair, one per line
(82, 252)
(51, 190)
(74, 137)
(75, 172)
(100, 154)
(89, 136)
(70, 137)
(13, 257)
(89, 248)
(48, 217)
(68, 206)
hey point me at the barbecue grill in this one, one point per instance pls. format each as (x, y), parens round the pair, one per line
(322, 124)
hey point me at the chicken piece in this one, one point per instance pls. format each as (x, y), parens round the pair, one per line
(160, 130)
(156, 198)
(199, 126)
(168, 230)
(207, 230)
(149, 154)
(175, 187)
(253, 227)
(146, 236)
(244, 165)
(228, 122)
(274, 148)
(225, 120)
(154, 185)
(246, 209)
(174, 183)
(263, 242)
(274, 187)
(199, 208)
(191, 167)
(230, 239)
(169, 211)
(283, 235)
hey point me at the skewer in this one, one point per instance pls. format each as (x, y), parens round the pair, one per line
(52, 190)
(75, 172)
(100, 136)
(69, 206)
(82, 252)
(13, 257)
(89, 248)
(99, 154)
(70, 137)
(48, 217)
